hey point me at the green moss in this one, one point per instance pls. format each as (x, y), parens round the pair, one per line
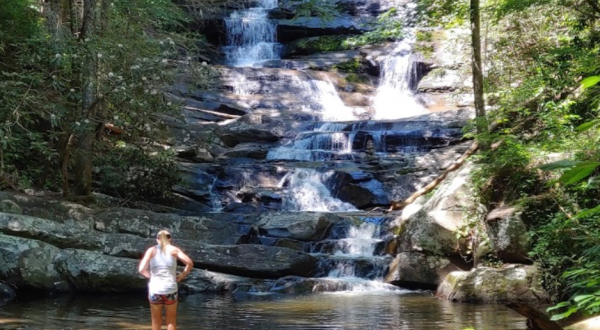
(352, 66)
(313, 45)
(425, 49)
(356, 78)
(424, 36)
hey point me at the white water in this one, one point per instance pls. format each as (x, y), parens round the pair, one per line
(332, 108)
(359, 245)
(307, 192)
(324, 142)
(251, 36)
(394, 98)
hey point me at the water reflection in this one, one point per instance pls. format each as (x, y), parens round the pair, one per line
(348, 311)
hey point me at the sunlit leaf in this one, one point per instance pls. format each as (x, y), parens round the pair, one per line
(577, 174)
(590, 81)
(586, 126)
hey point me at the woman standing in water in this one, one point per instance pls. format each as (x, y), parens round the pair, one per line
(159, 265)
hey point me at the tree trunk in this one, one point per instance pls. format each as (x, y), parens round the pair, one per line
(85, 137)
(475, 19)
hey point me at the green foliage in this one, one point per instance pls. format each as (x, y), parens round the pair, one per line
(17, 21)
(388, 28)
(138, 52)
(323, 9)
(352, 66)
(132, 172)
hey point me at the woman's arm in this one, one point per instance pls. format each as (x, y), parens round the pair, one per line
(145, 263)
(189, 264)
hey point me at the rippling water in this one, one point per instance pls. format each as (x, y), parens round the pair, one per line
(412, 311)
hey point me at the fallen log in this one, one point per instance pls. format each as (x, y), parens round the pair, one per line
(536, 320)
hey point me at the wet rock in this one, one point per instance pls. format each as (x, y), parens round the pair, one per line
(299, 285)
(246, 260)
(7, 293)
(353, 266)
(28, 263)
(257, 261)
(297, 226)
(508, 234)
(512, 283)
(51, 232)
(196, 181)
(236, 134)
(418, 270)
(8, 206)
(147, 224)
(95, 272)
(248, 150)
(199, 280)
(433, 228)
(50, 208)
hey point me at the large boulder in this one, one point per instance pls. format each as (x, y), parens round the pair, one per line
(95, 272)
(249, 260)
(433, 229)
(147, 224)
(414, 269)
(512, 283)
(52, 209)
(297, 226)
(28, 263)
(589, 324)
(508, 234)
(51, 232)
(257, 261)
(8, 206)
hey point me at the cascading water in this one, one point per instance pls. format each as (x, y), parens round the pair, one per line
(330, 105)
(251, 36)
(351, 262)
(307, 192)
(395, 98)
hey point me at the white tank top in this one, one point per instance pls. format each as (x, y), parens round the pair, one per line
(163, 267)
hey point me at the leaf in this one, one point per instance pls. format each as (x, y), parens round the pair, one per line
(586, 126)
(559, 305)
(590, 81)
(583, 296)
(561, 164)
(577, 174)
(565, 314)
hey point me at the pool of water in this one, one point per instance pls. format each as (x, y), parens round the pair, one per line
(359, 310)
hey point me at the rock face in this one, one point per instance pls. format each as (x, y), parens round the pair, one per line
(303, 227)
(513, 283)
(508, 234)
(420, 270)
(433, 228)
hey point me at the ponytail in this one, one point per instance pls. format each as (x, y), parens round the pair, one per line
(164, 239)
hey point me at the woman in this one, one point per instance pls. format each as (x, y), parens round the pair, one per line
(162, 287)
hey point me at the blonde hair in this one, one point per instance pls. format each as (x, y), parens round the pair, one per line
(163, 237)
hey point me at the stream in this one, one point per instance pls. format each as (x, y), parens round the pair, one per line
(341, 310)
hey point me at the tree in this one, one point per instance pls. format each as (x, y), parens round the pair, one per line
(476, 64)
(72, 68)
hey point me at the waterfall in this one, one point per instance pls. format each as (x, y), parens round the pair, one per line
(325, 142)
(353, 261)
(307, 192)
(251, 35)
(331, 105)
(394, 97)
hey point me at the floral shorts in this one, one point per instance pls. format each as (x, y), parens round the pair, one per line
(163, 299)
